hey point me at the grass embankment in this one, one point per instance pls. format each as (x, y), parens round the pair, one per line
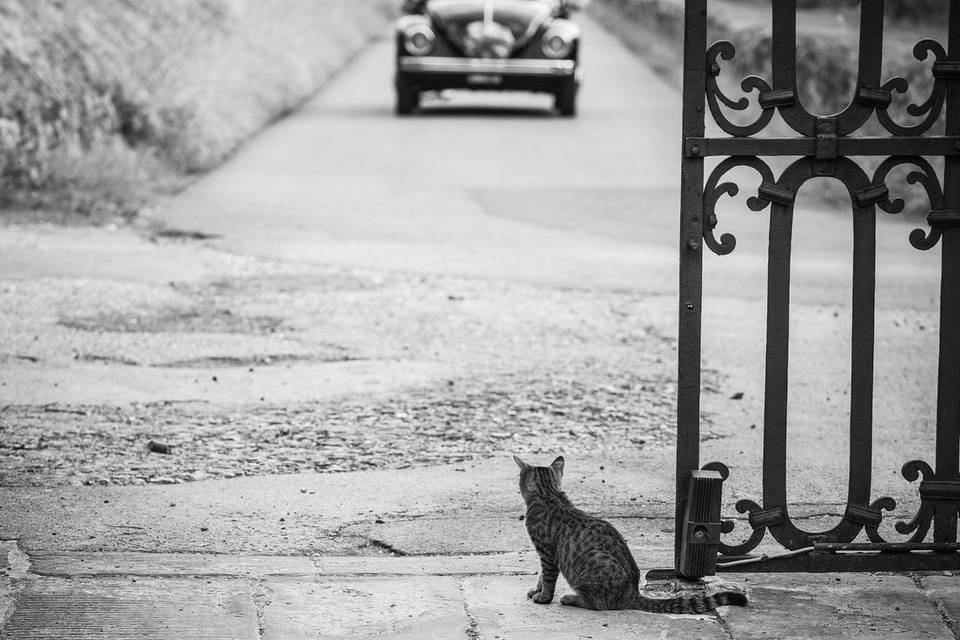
(827, 43)
(104, 101)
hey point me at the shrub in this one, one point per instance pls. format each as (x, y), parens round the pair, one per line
(133, 87)
(930, 11)
(826, 66)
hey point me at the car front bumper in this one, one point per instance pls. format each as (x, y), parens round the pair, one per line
(435, 73)
(487, 66)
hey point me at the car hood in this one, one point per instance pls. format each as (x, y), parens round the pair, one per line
(516, 22)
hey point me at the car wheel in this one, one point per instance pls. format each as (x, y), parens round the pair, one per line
(566, 98)
(407, 96)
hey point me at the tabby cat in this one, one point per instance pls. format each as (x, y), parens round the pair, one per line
(591, 554)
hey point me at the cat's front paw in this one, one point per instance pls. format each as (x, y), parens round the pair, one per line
(533, 592)
(542, 598)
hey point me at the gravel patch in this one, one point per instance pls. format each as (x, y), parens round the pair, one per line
(179, 320)
(533, 370)
(577, 411)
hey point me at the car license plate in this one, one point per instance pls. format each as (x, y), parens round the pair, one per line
(484, 79)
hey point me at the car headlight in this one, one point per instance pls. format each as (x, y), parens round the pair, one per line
(419, 39)
(559, 38)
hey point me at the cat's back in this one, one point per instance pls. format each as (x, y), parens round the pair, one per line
(590, 532)
(587, 539)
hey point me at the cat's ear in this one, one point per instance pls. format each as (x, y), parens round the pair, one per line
(520, 463)
(557, 466)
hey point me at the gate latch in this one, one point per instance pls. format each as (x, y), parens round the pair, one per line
(700, 538)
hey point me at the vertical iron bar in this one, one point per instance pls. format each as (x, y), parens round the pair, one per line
(777, 358)
(948, 383)
(784, 66)
(862, 350)
(863, 323)
(870, 56)
(784, 44)
(869, 67)
(691, 257)
(783, 62)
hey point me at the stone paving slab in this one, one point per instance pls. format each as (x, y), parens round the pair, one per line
(421, 608)
(944, 592)
(160, 609)
(847, 606)
(88, 564)
(92, 564)
(500, 609)
(650, 538)
(141, 595)
(497, 564)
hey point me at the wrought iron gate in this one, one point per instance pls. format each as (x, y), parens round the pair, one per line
(824, 148)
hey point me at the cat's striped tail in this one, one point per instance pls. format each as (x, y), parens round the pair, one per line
(700, 603)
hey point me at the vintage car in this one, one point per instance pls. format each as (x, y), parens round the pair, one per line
(527, 45)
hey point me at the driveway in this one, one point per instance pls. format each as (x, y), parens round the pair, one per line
(355, 291)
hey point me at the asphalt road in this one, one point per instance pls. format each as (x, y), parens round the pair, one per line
(353, 254)
(488, 185)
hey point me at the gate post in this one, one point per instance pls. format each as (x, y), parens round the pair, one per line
(948, 379)
(691, 259)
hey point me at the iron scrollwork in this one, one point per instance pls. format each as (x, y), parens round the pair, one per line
(927, 178)
(715, 95)
(920, 524)
(934, 491)
(855, 519)
(931, 107)
(727, 526)
(714, 189)
(866, 100)
(865, 194)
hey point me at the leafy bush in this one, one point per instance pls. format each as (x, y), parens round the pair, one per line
(135, 86)
(826, 66)
(931, 11)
